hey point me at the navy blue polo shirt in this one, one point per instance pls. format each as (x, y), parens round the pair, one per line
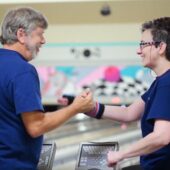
(19, 92)
(157, 106)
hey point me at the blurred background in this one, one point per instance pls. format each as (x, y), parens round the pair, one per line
(92, 44)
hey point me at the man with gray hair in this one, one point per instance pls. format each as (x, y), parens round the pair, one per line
(22, 118)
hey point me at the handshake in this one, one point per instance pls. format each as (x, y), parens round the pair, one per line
(96, 111)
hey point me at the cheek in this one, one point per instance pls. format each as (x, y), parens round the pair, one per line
(37, 40)
(154, 56)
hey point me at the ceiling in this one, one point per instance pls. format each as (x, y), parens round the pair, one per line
(89, 12)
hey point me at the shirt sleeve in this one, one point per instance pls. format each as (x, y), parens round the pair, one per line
(145, 96)
(27, 95)
(160, 108)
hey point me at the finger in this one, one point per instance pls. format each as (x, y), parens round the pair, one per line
(89, 95)
(62, 101)
(111, 164)
(88, 90)
(83, 94)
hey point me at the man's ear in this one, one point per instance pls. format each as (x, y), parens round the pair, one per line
(21, 35)
(162, 48)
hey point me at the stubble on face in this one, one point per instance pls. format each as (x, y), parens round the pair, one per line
(31, 48)
(33, 42)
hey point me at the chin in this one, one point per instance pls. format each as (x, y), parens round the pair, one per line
(30, 58)
(148, 65)
(144, 64)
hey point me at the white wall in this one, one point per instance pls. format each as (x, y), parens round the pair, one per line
(108, 44)
(93, 33)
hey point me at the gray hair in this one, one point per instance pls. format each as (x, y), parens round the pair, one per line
(26, 18)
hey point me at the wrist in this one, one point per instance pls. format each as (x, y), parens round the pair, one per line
(97, 111)
(121, 155)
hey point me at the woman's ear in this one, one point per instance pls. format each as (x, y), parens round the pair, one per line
(21, 35)
(162, 46)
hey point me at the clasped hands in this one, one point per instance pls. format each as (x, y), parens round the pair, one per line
(83, 102)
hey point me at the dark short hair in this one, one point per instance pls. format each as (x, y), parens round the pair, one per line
(160, 30)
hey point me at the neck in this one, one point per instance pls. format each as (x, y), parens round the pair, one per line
(163, 67)
(16, 47)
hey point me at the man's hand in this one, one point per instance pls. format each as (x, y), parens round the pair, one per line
(84, 102)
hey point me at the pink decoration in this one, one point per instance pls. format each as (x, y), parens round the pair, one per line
(93, 76)
(112, 74)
